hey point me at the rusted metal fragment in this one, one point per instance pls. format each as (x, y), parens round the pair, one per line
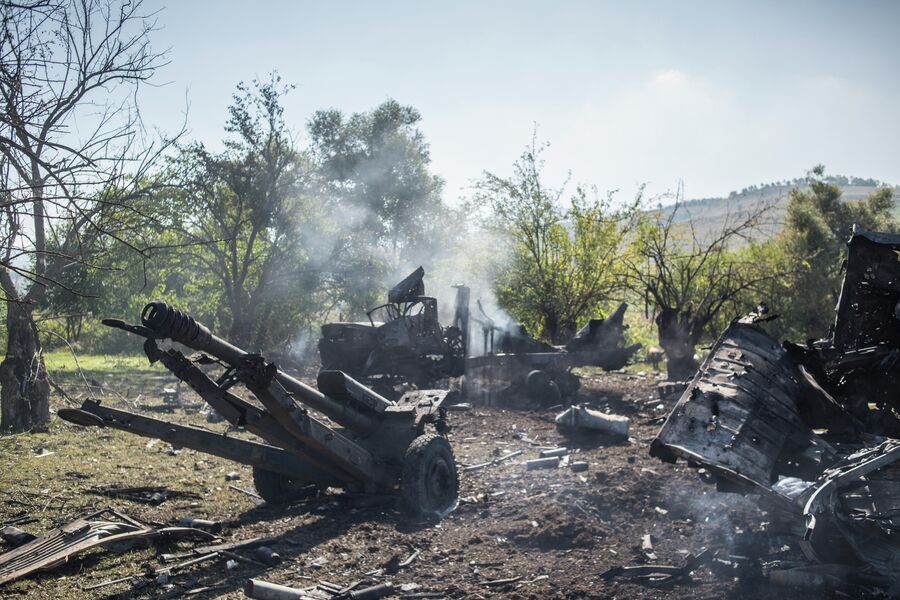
(867, 313)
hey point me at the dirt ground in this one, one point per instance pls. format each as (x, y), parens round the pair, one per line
(549, 533)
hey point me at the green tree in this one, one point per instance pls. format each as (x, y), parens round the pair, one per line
(71, 163)
(689, 279)
(244, 210)
(818, 224)
(372, 175)
(562, 262)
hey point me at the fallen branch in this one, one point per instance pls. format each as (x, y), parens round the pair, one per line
(253, 495)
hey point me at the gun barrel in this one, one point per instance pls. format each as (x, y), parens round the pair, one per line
(168, 322)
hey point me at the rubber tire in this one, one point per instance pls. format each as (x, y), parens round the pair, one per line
(429, 483)
(568, 384)
(542, 389)
(276, 488)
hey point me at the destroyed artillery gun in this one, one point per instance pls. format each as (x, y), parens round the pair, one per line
(540, 370)
(382, 446)
(406, 344)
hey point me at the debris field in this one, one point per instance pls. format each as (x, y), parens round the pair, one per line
(615, 488)
(516, 533)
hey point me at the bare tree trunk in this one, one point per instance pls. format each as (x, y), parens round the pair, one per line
(24, 387)
(676, 339)
(240, 333)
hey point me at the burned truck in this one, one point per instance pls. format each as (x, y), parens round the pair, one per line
(809, 427)
(402, 340)
(517, 367)
(341, 435)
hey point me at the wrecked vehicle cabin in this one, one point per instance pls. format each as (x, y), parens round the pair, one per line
(378, 445)
(809, 428)
(403, 341)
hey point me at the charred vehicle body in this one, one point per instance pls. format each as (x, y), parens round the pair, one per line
(402, 339)
(806, 426)
(367, 443)
(516, 365)
(408, 345)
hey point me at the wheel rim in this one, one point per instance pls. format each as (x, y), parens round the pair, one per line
(439, 483)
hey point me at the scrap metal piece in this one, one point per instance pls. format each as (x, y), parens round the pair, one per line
(867, 312)
(858, 501)
(581, 419)
(859, 363)
(602, 342)
(660, 575)
(411, 287)
(58, 545)
(550, 462)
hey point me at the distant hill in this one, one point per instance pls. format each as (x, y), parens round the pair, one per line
(709, 214)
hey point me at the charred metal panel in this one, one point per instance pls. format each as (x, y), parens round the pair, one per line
(868, 313)
(740, 415)
(412, 286)
(55, 547)
(852, 511)
(859, 362)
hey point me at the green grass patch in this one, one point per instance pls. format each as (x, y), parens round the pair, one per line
(62, 361)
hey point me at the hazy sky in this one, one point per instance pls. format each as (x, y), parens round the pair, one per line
(719, 94)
